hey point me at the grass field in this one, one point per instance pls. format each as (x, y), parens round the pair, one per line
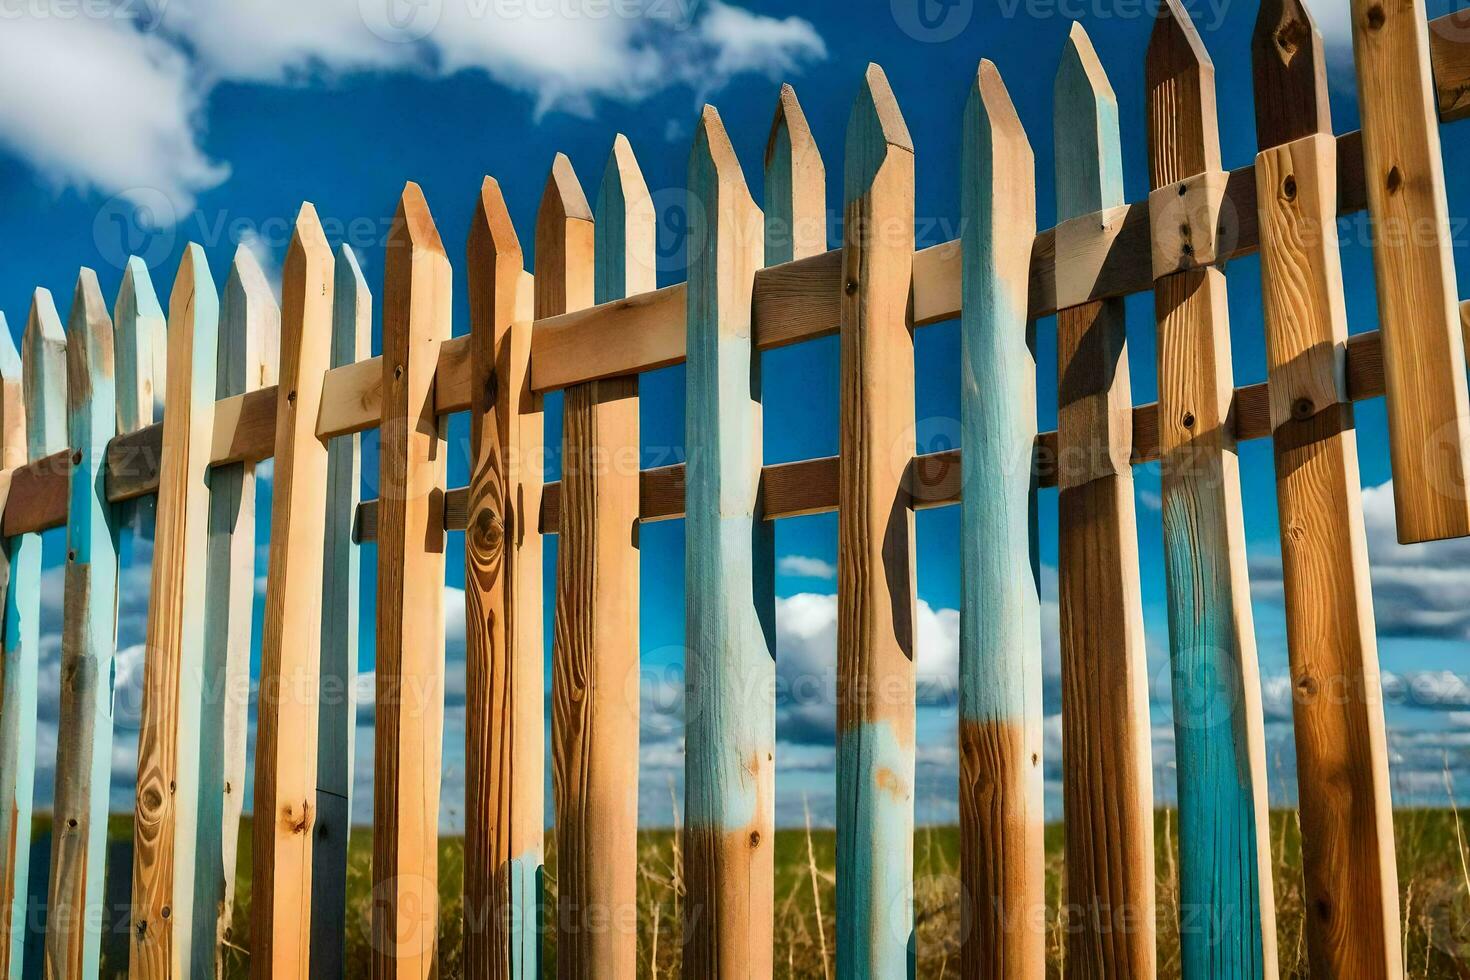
(1433, 878)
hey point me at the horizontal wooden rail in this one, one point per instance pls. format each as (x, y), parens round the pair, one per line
(810, 486)
(1089, 258)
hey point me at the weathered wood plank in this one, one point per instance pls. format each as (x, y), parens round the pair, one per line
(1000, 786)
(594, 722)
(729, 762)
(290, 650)
(1449, 52)
(796, 187)
(875, 545)
(505, 740)
(409, 729)
(1225, 870)
(75, 903)
(248, 315)
(43, 379)
(1341, 748)
(165, 818)
(1423, 342)
(141, 345)
(352, 337)
(1107, 774)
(18, 565)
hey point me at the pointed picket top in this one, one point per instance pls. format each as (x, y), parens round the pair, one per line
(413, 225)
(796, 186)
(563, 198)
(1289, 65)
(43, 373)
(141, 348)
(12, 402)
(1184, 137)
(991, 108)
(626, 228)
(1089, 155)
(875, 129)
(565, 244)
(250, 328)
(492, 233)
(351, 342)
(309, 246)
(193, 291)
(712, 145)
(89, 342)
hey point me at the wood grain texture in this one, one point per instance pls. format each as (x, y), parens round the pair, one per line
(140, 339)
(409, 727)
(43, 381)
(875, 545)
(505, 741)
(16, 564)
(1350, 875)
(1001, 805)
(1423, 343)
(248, 315)
(729, 568)
(594, 720)
(1449, 52)
(796, 186)
(352, 336)
(75, 902)
(161, 935)
(1107, 772)
(1225, 871)
(290, 657)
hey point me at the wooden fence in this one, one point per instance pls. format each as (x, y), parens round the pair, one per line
(83, 447)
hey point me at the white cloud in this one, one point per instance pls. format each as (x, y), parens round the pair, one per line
(95, 103)
(114, 104)
(805, 566)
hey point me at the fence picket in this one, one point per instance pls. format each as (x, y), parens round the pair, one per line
(165, 821)
(1341, 747)
(729, 765)
(1000, 620)
(1225, 871)
(408, 740)
(14, 573)
(141, 345)
(1423, 344)
(796, 186)
(875, 545)
(1107, 775)
(352, 335)
(286, 738)
(43, 380)
(505, 740)
(594, 732)
(248, 315)
(77, 913)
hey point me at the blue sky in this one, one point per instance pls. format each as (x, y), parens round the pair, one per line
(146, 124)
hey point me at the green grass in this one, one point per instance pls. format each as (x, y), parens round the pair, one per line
(1434, 887)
